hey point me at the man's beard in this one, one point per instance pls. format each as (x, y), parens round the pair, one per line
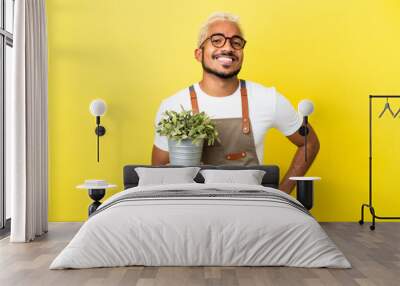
(217, 73)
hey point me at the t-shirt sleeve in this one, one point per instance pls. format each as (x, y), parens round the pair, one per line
(286, 118)
(160, 142)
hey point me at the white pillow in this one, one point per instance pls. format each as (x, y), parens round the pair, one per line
(163, 176)
(249, 177)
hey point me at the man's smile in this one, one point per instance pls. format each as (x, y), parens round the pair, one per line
(225, 60)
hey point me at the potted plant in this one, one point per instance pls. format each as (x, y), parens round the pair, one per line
(186, 133)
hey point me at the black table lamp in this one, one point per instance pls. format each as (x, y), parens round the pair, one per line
(97, 108)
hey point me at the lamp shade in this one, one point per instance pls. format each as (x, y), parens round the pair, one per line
(98, 107)
(306, 107)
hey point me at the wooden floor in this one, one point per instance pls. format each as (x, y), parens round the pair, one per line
(375, 256)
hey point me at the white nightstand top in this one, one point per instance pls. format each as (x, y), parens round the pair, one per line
(304, 178)
(95, 187)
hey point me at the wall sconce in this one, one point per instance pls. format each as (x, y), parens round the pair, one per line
(97, 108)
(306, 107)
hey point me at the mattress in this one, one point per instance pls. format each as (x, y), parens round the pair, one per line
(201, 225)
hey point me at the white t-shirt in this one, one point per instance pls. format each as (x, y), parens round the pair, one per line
(267, 109)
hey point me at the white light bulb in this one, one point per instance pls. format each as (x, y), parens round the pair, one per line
(306, 107)
(98, 107)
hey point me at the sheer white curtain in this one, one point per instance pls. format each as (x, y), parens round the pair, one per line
(26, 123)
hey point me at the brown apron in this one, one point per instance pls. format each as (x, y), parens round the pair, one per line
(237, 141)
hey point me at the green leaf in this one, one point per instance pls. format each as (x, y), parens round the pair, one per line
(186, 125)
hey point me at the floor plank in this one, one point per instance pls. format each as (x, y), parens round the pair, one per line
(375, 257)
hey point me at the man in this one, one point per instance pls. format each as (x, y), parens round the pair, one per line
(243, 111)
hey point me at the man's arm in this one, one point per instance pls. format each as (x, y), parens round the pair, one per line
(159, 157)
(299, 167)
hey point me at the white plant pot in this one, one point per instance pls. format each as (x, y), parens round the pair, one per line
(185, 153)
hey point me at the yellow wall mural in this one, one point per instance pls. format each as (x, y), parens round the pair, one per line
(133, 54)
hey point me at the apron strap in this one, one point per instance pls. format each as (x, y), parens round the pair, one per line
(235, 156)
(193, 100)
(245, 108)
(245, 105)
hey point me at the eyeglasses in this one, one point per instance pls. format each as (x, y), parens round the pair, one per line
(219, 40)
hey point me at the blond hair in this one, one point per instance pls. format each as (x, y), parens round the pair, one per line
(217, 16)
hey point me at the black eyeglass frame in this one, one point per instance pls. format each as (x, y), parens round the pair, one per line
(226, 38)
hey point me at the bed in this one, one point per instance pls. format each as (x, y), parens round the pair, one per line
(198, 224)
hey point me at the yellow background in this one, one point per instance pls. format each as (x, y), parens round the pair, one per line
(133, 54)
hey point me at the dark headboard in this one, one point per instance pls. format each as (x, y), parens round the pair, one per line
(270, 179)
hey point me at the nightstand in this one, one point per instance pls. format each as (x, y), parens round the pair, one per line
(305, 192)
(96, 190)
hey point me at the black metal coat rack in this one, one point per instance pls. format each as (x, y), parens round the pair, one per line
(369, 205)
